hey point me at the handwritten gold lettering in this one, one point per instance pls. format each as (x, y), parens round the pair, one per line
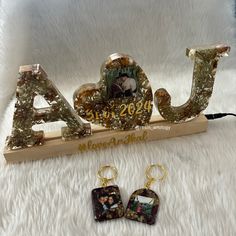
(112, 142)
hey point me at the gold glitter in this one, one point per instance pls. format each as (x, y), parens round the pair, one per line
(122, 99)
(31, 82)
(205, 64)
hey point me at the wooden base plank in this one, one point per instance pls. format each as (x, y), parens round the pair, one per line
(104, 138)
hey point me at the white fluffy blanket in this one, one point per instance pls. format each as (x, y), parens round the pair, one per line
(70, 39)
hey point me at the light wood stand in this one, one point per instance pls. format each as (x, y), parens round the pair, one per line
(105, 138)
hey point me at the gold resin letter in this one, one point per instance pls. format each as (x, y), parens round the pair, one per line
(33, 81)
(205, 64)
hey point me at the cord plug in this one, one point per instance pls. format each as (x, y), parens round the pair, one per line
(218, 115)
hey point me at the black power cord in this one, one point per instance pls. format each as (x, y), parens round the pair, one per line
(218, 115)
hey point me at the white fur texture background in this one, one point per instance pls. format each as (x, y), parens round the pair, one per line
(70, 39)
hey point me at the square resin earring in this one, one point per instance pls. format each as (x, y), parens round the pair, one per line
(107, 203)
(144, 203)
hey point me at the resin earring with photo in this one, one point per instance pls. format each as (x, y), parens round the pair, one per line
(106, 200)
(144, 203)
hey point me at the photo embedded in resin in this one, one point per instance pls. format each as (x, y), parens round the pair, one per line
(122, 99)
(107, 203)
(123, 86)
(143, 206)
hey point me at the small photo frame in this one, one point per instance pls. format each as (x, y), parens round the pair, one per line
(143, 206)
(107, 203)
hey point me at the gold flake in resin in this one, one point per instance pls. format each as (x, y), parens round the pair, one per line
(122, 99)
(205, 64)
(33, 81)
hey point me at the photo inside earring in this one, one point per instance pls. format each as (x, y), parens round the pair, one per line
(143, 206)
(107, 203)
(144, 203)
(106, 200)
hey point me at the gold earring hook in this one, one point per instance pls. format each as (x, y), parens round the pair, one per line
(104, 180)
(150, 178)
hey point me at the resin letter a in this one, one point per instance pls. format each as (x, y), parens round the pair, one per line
(33, 81)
